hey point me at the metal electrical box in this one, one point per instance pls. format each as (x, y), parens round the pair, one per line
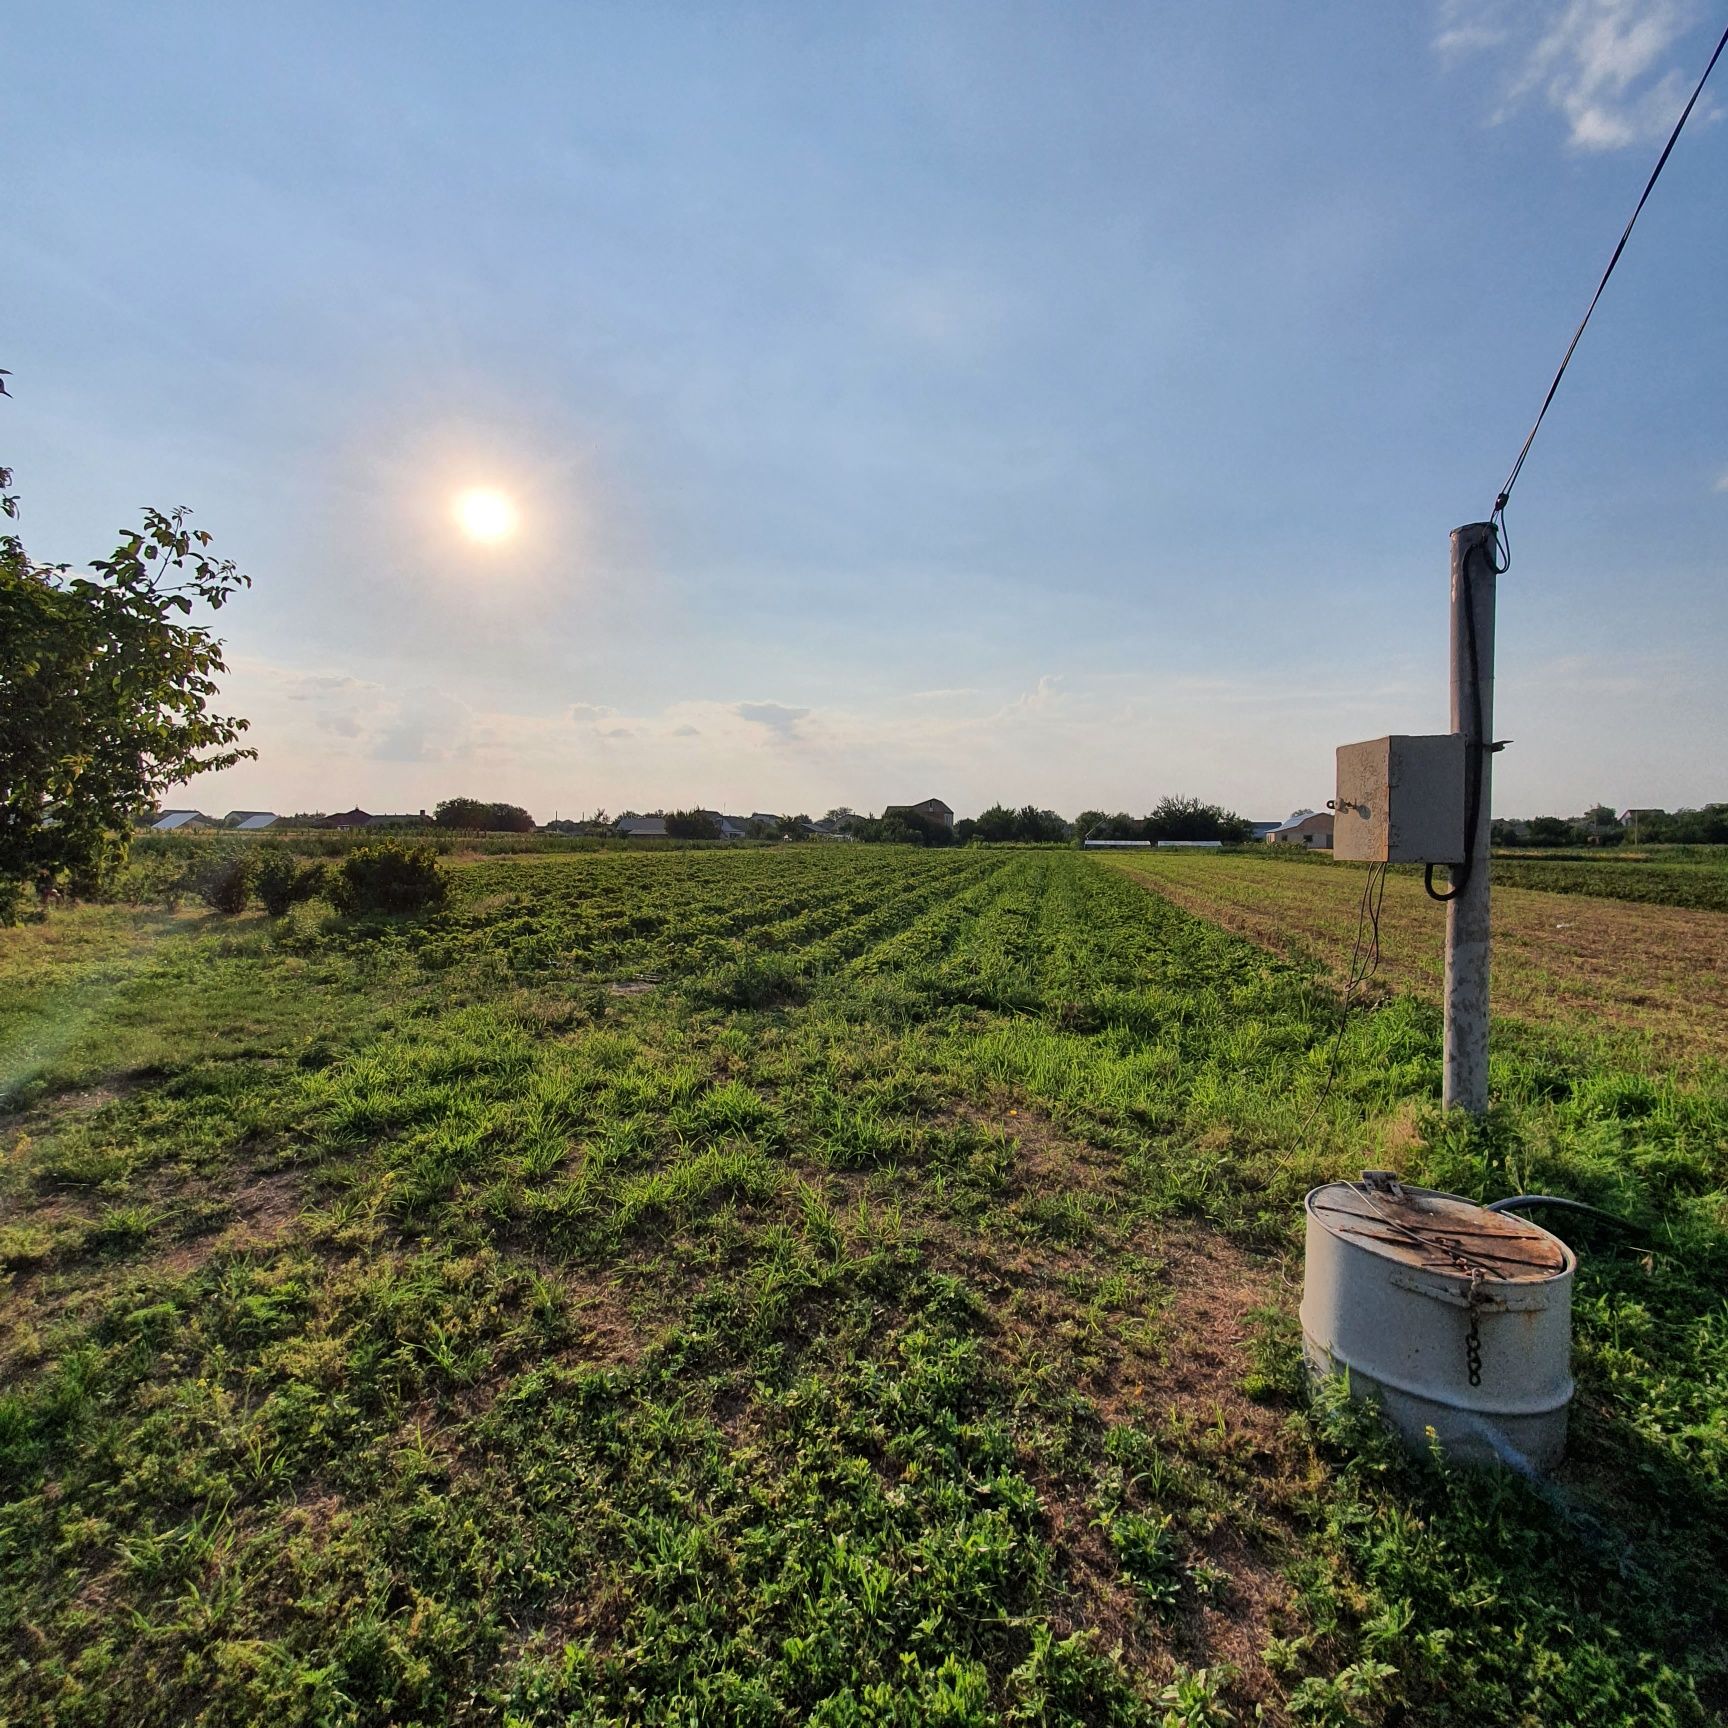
(1401, 801)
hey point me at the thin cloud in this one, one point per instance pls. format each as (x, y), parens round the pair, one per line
(774, 717)
(1609, 68)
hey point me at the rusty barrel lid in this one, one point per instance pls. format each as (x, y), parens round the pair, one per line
(1441, 1233)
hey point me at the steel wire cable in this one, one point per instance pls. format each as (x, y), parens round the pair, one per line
(1505, 494)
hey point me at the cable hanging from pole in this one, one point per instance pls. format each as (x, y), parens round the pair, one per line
(1649, 186)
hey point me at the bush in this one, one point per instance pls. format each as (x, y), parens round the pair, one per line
(224, 884)
(390, 878)
(282, 882)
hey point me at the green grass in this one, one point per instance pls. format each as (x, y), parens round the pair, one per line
(1702, 885)
(825, 1285)
(1695, 876)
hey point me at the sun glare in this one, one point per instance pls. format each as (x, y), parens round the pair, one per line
(485, 515)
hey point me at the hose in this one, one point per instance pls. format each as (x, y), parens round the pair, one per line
(1523, 1202)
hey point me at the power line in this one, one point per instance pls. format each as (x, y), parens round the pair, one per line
(1649, 187)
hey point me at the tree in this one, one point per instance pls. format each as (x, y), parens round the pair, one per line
(104, 696)
(901, 827)
(475, 816)
(1039, 827)
(1551, 831)
(1177, 818)
(691, 825)
(1096, 825)
(1705, 827)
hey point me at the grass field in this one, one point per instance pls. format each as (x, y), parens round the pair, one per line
(1657, 883)
(1652, 975)
(1695, 876)
(841, 1285)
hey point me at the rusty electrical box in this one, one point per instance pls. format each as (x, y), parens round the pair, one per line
(1401, 800)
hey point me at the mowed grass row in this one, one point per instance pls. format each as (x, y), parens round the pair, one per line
(791, 1286)
(1654, 977)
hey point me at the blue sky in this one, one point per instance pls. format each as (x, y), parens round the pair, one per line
(990, 401)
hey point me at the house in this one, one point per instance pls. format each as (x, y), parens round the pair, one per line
(728, 827)
(422, 820)
(355, 818)
(182, 822)
(932, 810)
(1304, 828)
(250, 821)
(1630, 820)
(642, 827)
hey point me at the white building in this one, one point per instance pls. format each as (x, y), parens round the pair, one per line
(1304, 828)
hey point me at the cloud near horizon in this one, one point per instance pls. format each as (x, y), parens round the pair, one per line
(328, 740)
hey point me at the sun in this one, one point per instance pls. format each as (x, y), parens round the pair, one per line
(485, 515)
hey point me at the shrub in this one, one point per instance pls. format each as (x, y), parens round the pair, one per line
(224, 884)
(282, 882)
(389, 877)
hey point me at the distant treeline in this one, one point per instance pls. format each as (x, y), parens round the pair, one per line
(1707, 826)
(1173, 818)
(1169, 819)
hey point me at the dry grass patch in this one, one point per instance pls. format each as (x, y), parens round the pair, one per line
(1659, 973)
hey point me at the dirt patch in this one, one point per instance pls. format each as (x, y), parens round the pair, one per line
(1044, 1158)
(264, 1207)
(110, 1091)
(613, 1334)
(1174, 1368)
(41, 1115)
(1178, 1379)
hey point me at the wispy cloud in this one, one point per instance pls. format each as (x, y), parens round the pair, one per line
(1609, 68)
(1722, 483)
(1117, 740)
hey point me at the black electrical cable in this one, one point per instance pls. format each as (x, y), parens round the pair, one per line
(1526, 1202)
(1364, 963)
(1479, 746)
(1649, 187)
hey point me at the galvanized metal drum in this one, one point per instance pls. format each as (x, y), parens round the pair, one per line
(1455, 1319)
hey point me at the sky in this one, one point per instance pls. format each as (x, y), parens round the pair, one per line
(1052, 404)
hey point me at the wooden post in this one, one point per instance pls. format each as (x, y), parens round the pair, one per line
(1467, 927)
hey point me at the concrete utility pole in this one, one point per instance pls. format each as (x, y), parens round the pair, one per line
(1474, 576)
